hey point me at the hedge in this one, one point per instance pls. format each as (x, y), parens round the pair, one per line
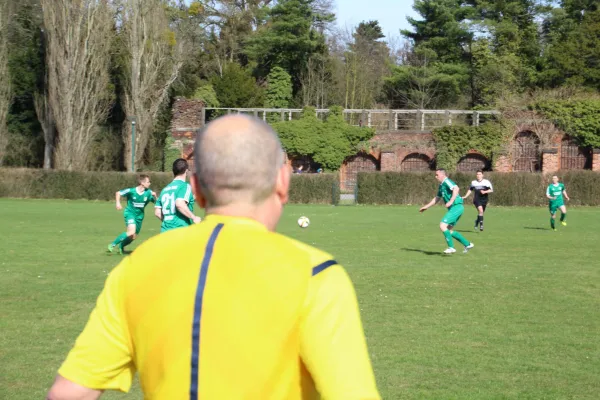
(52, 184)
(510, 189)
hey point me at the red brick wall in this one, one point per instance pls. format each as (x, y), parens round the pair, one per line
(550, 161)
(596, 160)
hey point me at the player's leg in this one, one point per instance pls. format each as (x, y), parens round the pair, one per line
(563, 215)
(477, 220)
(553, 219)
(132, 231)
(457, 212)
(122, 237)
(481, 210)
(447, 235)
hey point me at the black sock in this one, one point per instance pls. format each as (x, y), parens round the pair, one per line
(481, 219)
(477, 220)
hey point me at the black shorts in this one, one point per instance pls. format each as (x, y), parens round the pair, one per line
(482, 204)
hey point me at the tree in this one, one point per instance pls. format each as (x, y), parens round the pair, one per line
(79, 33)
(237, 88)
(5, 84)
(289, 39)
(367, 61)
(151, 61)
(279, 89)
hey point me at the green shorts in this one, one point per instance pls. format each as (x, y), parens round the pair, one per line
(130, 220)
(453, 214)
(555, 205)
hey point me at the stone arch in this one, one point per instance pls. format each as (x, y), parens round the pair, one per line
(417, 162)
(473, 162)
(526, 152)
(361, 162)
(573, 156)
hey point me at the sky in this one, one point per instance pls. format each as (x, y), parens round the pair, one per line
(391, 14)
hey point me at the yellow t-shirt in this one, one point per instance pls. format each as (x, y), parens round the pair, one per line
(226, 309)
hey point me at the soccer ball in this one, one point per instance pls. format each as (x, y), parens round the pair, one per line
(303, 222)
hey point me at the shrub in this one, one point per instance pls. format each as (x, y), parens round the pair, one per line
(510, 189)
(315, 188)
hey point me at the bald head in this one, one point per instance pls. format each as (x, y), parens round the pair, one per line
(237, 160)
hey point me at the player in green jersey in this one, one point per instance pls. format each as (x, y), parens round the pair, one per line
(175, 204)
(137, 199)
(449, 192)
(555, 193)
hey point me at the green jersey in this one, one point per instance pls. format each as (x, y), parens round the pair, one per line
(445, 192)
(556, 191)
(136, 202)
(172, 217)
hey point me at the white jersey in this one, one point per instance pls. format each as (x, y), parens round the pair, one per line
(477, 187)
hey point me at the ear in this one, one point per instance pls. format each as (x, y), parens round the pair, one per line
(200, 199)
(282, 186)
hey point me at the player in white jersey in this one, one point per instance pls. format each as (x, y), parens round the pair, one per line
(482, 187)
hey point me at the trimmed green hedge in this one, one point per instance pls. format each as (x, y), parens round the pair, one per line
(51, 184)
(315, 188)
(510, 189)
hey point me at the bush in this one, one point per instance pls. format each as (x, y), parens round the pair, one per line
(510, 189)
(315, 188)
(52, 184)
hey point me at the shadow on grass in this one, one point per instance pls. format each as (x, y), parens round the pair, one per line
(429, 253)
(537, 228)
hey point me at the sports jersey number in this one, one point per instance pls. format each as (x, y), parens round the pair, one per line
(168, 203)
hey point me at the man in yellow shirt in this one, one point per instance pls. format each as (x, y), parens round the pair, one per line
(226, 309)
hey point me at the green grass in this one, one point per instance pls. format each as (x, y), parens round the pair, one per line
(518, 317)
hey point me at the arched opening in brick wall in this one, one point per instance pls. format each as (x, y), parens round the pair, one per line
(526, 152)
(417, 162)
(307, 164)
(361, 162)
(573, 156)
(473, 162)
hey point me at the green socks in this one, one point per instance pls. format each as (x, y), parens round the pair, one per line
(119, 239)
(448, 237)
(460, 238)
(563, 217)
(127, 241)
(552, 222)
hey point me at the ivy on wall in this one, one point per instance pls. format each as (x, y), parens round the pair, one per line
(454, 142)
(327, 142)
(580, 119)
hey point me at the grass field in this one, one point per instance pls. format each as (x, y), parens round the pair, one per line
(518, 317)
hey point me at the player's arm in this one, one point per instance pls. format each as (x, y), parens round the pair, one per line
(467, 194)
(64, 389)
(490, 189)
(182, 201)
(565, 194)
(430, 204)
(118, 195)
(548, 194)
(158, 209)
(332, 343)
(455, 194)
(101, 358)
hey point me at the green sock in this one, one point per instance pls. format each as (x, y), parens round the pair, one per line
(563, 217)
(448, 237)
(119, 239)
(126, 242)
(460, 238)
(552, 222)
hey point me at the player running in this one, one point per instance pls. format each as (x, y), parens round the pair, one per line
(448, 191)
(137, 199)
(555, 193)
(175, 205)
(482, 187)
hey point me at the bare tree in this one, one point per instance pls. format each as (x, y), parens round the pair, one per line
(5, 84)
(154, 57)
(78, 36)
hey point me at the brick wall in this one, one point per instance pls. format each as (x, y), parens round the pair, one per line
(596, 160)
(388, 161)
(550, 161)
(187, 120)
(502, 163)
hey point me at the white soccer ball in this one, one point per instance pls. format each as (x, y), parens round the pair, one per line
(303, 222)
